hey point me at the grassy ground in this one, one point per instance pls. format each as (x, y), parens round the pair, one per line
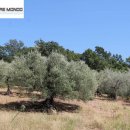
(99, 114)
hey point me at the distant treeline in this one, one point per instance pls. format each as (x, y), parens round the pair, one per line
(98, 59)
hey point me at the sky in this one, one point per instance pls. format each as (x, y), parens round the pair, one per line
(74, 24)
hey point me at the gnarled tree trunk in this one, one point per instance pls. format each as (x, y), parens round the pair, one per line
(8, 88)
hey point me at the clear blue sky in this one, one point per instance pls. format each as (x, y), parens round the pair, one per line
(74, 24)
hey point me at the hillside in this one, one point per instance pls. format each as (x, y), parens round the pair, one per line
(99, 114)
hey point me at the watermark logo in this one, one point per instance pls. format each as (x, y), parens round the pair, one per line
(11, 8)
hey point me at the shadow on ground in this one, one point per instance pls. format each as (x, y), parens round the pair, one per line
(104, 98)
(126, 103)
(39, 106)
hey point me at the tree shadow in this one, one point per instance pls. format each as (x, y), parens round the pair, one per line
(3, 93)
(39, 106)
(66, 107)
(126, 103)
(13, 94)
(107, 98)
(104, 98)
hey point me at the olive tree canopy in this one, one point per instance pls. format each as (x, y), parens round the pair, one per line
(54, 76)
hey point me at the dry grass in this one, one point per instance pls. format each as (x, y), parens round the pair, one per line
(94, 115)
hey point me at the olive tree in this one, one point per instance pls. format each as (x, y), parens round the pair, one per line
(57, 79)
(83, 80)
(114, 83)
(6, 75)
(69, 79)
(54, 76)
(29, 71)
(125, 89)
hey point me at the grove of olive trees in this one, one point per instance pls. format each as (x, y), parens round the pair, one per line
(55, 72)
(54, 76)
